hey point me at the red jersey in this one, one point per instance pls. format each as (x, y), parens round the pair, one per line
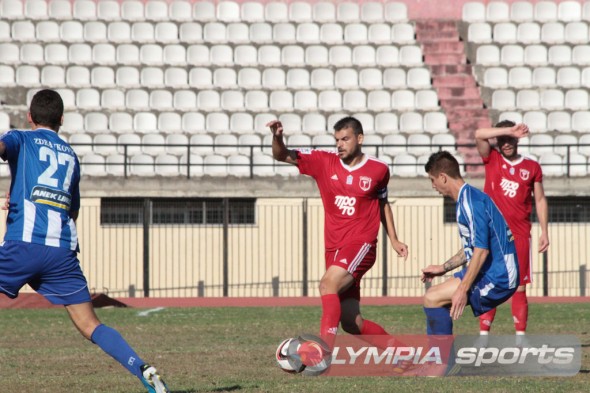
(510, 184)
(350, 195)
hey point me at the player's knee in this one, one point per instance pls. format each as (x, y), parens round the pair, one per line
(350, 326)
(327, 286)
(431, 298)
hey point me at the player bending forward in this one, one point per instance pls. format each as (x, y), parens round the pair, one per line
(491, 276)
(353, 187)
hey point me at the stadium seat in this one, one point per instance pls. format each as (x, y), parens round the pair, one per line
(473, 12)
(515, 117)
(346, 78)
(305, 100)
(546, 11)
(88, 99)
(167, 165)
(426, 100)
(403, 100)
(201, 78)
(252, 11)
(201, 144)
(544, 77)
(331, 34)
(108, 10)
(225, 78)
(127, 77)
(256, 101)
(226, 144)
(411, 122)
(578, 164)
(93, 165)
(565, 144)
(395, 12)
(293, 55)
(102, 77)
(190, 33)
(195, 166)
(503, 100)
(403, 33)
(153, 144)
(193, 123)
(104, 54)
(228, 11)
(435, 122)
(308, 33)
(145, 122)
(73, 123)
(80, 54)
(217, 122)
(535, 55)
(96, 122)
(569, 11)
(370, 79)
(584, 144)
(204, 11)
(364, 56)
(404, 165)
(552, 164)
(36, 9)
(496, 77)
(156, 10)
(132, 11)
(386, 123)
(586, 11)
(269, 55)
(151, 55)
(68, 97)
(58, 54)
(419, 144)
(559, 121)
(317, 56)
(215, 165)
(419, 78)
(553, 33)
(232, 100)
(568, 77)
(249, 144)
(444, 142)
(238, 165)
(576, 33)
(245, 55)
(504, 33)
(372, 12)
(175, 77)
(7, 76)
(161, 100)
(355, 34)
(166, 33)
(479, 33)
(379, 33)
(249, 78)
(528, 99)
(411, 56)
(143, 32)
(32, 54)
(137, 99)
(273, 79)
(314, 124)
(577, 99)
(581, 55)
(552, 99)
(298, 78)
(262, 119)
(281, 101)
(170, 122)
(104, 144)
(330, 100)
(127, 54)
(536, 121)
(559, 55)
(497, 12)
(522, 11)
(95, 32)
(47, 31)
(186, 100)
(262, 33)
(141, 165)
(81, 143)
(394, 144)
(121, 122)
(5, 34)
(23, 31)
(488, 55)
(541, 143)
(372, 144)
(510, 55)
(176, 144)
(214, 33)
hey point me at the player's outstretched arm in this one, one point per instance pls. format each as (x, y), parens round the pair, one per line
(279, 150)
(483, 136)
(389, 223)
(429, 272)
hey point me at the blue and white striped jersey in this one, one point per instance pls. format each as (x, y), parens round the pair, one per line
(44, 190)
(482, 225)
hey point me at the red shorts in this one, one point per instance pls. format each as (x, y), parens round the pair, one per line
(523, 253)
(357, 259)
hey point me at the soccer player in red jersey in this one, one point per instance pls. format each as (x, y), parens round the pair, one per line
(353, 187)
(511, 180)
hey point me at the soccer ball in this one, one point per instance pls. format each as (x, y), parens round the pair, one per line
(284, 357)
(305, 354)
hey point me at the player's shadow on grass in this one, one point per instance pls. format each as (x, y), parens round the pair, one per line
(226, 388)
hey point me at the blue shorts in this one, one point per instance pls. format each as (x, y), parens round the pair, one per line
(53, 272)
(484, 296)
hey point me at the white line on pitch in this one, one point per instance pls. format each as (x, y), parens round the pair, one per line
(147, 312)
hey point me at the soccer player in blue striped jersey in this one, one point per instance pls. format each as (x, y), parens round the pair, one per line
(41, 243)
(490, 276)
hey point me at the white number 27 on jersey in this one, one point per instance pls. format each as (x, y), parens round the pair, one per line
(46, 178)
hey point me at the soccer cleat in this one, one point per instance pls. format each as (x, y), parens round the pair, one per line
(152, 380)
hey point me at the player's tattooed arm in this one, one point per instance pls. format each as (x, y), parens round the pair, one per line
(455, 261)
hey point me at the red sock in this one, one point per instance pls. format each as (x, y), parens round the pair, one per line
(520, 310)
(485, 320)
(330, 318)
(371, 328)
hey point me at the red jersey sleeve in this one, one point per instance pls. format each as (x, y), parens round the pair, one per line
(311, 161)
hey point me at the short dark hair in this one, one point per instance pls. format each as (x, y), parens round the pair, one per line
(443, 162)
(47, 109)
(349, 122)
(505, 124)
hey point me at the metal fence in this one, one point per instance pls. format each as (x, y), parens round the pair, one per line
(166, 249)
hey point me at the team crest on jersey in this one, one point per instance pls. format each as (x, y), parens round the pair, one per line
(365, 183)
(524, 174)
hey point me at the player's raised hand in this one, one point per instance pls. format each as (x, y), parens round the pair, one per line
(429, 272)
(520, 130)
(276, 127)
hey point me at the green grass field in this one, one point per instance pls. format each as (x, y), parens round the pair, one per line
(232, 350)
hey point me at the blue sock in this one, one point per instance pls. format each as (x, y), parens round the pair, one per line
(111, 341)
(438, 321)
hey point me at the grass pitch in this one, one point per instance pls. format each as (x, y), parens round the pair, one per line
(232, 350)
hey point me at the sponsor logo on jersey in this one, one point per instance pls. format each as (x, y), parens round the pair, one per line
(365, 183)
(304, 150)
(49, 196)
(345, 204)
(344, 261)
(509, 187)
(334, 177)
(524, 174)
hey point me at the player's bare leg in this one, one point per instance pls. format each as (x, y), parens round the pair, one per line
(84, 318)
(437, 301)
